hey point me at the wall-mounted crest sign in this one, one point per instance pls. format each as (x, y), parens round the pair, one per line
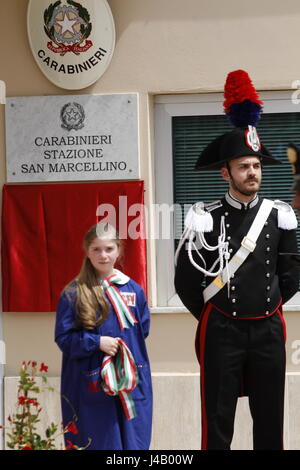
(72, 42)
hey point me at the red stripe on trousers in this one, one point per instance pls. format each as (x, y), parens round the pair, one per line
(200, 355)
(282, 322)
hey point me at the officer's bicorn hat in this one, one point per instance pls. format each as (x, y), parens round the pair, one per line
(243, 108)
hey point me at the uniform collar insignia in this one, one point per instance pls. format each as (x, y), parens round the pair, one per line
(232, 201)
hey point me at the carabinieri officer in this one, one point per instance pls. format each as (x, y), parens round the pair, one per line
(238, 247)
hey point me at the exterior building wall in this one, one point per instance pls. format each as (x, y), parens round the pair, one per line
(162, 47)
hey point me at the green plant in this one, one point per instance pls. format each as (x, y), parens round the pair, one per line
(22, 431)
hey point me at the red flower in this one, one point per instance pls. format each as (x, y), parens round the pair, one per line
(71, 427)
(22, 400)
(43, 368)
(27, 448)
(70, 445)
(34, 363)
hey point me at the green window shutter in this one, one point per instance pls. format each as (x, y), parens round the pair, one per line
(192, 133)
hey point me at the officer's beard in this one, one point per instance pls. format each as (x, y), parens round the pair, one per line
(241, 187)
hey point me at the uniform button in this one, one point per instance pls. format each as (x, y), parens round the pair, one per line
(227, 225)
(268, 287)
(267, 235)
(226, 214)
(267, 261)
(234, 314)
(268, 275)
(268, 248)
(232, 287)
(230, 250)
(266, 223)
(268, 300)
(232, 276)
(233, 301)
(228, 238)
(267, 312)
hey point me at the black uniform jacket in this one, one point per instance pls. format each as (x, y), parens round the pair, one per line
(261, 283)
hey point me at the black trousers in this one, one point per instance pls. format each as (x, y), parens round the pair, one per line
(237, 354)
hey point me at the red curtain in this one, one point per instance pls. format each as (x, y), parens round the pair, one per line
(42, 230)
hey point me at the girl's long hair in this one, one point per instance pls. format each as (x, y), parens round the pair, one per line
(91, 305)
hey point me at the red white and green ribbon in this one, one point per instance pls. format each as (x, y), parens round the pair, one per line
(119, 377)
(124, 314)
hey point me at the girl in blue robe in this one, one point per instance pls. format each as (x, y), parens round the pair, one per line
(86, 333)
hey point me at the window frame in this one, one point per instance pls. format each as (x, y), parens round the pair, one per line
(165, 108)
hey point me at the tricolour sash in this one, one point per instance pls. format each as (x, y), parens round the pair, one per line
(123, 312)
(119, 377)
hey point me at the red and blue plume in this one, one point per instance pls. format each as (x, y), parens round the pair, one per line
(241, 104)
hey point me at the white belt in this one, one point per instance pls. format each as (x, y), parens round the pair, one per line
(248, 245)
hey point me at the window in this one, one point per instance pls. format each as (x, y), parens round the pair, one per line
(184, 125)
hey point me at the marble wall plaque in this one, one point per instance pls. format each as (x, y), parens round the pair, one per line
(72, 138)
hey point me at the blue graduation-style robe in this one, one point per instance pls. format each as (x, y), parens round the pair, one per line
(99, 417)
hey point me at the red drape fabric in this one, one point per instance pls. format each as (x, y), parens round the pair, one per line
(42, 230)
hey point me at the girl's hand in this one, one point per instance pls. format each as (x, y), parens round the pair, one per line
(109, 345)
